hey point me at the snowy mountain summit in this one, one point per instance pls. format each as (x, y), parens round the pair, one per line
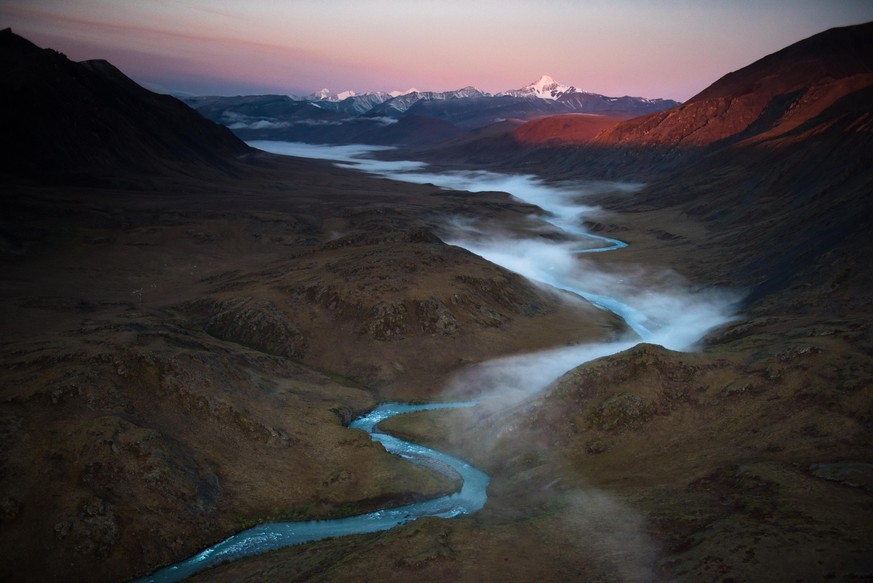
(328, 95)
(544, 88)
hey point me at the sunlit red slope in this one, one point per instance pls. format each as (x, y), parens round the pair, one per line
(784, 95)
(572, 128)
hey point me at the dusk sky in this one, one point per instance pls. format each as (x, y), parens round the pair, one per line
(650, 48)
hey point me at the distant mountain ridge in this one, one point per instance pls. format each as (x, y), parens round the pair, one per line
(349, 117)
(402, 103)
(543, 88)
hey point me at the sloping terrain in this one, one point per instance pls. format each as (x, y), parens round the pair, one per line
(563, 129)
(95, 123)
(788, 193)
(769, 98)
(188, 325)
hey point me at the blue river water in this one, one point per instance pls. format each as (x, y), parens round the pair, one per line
(275, 535)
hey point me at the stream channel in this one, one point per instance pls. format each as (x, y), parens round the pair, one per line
(674, 318)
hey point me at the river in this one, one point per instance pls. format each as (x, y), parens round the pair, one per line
(656, 309)
(275, 535)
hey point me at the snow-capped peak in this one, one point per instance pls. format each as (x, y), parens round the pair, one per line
(399, 93)
(545, 88)
(544, 83)
(328, 95)
(320, 95)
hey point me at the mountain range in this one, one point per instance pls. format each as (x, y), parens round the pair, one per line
(327, 118)
(544, 88)
(189, 324)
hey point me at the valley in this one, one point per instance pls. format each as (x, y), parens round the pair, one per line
(187, 333)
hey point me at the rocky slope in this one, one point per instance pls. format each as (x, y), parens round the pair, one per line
(748, 460)
(786, 193)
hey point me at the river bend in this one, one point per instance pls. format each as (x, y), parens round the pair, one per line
(275, 535)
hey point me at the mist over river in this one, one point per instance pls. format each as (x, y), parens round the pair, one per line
(658, 308)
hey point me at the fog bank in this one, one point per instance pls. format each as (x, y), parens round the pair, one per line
(658, 307)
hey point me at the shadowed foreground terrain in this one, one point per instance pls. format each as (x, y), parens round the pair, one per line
(183, 341)
(197, 361)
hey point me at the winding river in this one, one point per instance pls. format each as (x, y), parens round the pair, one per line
(275, 535)
(674, 319)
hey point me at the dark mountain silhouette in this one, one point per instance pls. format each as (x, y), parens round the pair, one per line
(95, 121)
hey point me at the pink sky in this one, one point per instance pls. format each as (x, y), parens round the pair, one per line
(663, 48)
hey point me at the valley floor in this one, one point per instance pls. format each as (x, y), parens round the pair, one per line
(180, 363)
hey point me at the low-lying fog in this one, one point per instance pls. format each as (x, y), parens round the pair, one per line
(659, 307)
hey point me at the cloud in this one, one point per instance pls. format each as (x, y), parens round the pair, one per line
(347, 153)
(346, 156)
(660, 307)
(261, 124)
(611, 533)
(384, 120)
(237, 121)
